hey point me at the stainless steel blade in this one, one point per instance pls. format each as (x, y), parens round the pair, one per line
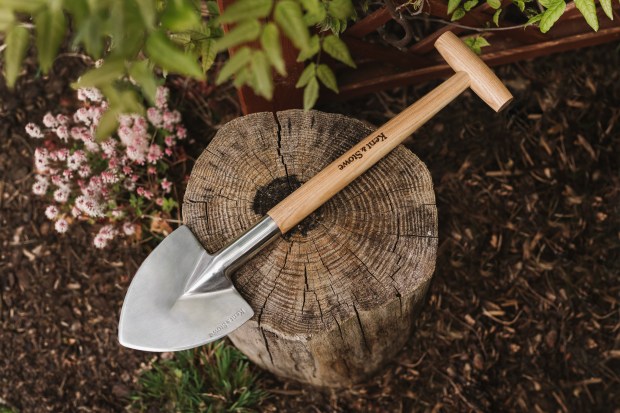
(156, 316)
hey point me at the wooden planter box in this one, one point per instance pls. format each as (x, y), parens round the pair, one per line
(383, 67)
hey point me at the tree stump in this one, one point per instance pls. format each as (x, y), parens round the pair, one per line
(335, 298)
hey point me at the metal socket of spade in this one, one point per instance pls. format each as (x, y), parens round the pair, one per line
(182, 297)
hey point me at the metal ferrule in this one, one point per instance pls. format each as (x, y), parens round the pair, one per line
(247, 244)
(212, 273)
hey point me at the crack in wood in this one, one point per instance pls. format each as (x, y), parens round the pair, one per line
(279, 147)
(359, 321)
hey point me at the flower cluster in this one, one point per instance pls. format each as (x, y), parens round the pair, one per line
(115, 182)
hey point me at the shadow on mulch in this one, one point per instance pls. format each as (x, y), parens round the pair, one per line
(522, 314)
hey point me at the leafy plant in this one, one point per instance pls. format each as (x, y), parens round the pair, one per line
(213, 378)
(252, 66)
(137, 39)
(117, 184)
(542, 12)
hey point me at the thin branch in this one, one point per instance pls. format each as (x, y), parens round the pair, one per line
(477, 29)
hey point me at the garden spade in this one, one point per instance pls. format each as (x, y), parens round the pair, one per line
(182, 296)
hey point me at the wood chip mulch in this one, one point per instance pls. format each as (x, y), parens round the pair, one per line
(522, 314)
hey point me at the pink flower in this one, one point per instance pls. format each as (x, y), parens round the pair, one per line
(159, 201)
(89, 206)
(34, 131)
(57, 180)
(155, 153)
(67, 174)
(161, 97)
(155, 117)
(109, 177)
(109, 147)
(140, 126)
(166, 185)
(76, 159)
(62, 132)
(61, 225)
(144, 192)
(82, 115)
(171, 118)
(40, 187)
(129, 229)
(129, 184)
(49, 120)
(168, 151)
(126, 169)
(41, 158)
(61, 154)
(84, 171)
(62, 119)
(61, 195)
(51, 212)
(181, 132)
(89, 93)
(100, 242)
(151, 170)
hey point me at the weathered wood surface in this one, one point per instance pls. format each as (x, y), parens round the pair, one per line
(335, 298)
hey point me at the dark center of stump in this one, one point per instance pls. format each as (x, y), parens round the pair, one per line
(269, 195)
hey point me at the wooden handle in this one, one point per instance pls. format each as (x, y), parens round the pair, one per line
(483, 80)
(341, 172)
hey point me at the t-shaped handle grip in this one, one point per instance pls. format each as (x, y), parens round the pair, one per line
(482, 79)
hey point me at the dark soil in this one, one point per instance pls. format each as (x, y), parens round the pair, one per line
(523, 311)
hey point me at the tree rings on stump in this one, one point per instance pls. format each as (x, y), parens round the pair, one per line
(335, 298)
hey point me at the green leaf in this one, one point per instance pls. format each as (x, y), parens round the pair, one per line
(496, 4)
(336, 48)
(452, 5)
(6, 19)
(148, 11)
(606, 5)
(520, 4)
(102, 76)
(470, 4)
(89, 34)
(107, 124)
(534, 19)
(213, 10)
(314, 48)
(242, 33)
(311, 93)
(50, 30)
(476, 43)
(16, 45)
(166, 55)
(308, 73)
(142, 73)
(25, 6)
(127, 30)
(315, 12)
(458, 14)
(236, 62)
(588, 9)
(180, 15)
(262, 73)
(207, 54)
(551, 15)
(496, 17)
(242, 77)
(288, 15)
(270, 42)
(341, 9)
(327, 77)
(246, 9)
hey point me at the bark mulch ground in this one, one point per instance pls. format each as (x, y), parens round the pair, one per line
(522, 314)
